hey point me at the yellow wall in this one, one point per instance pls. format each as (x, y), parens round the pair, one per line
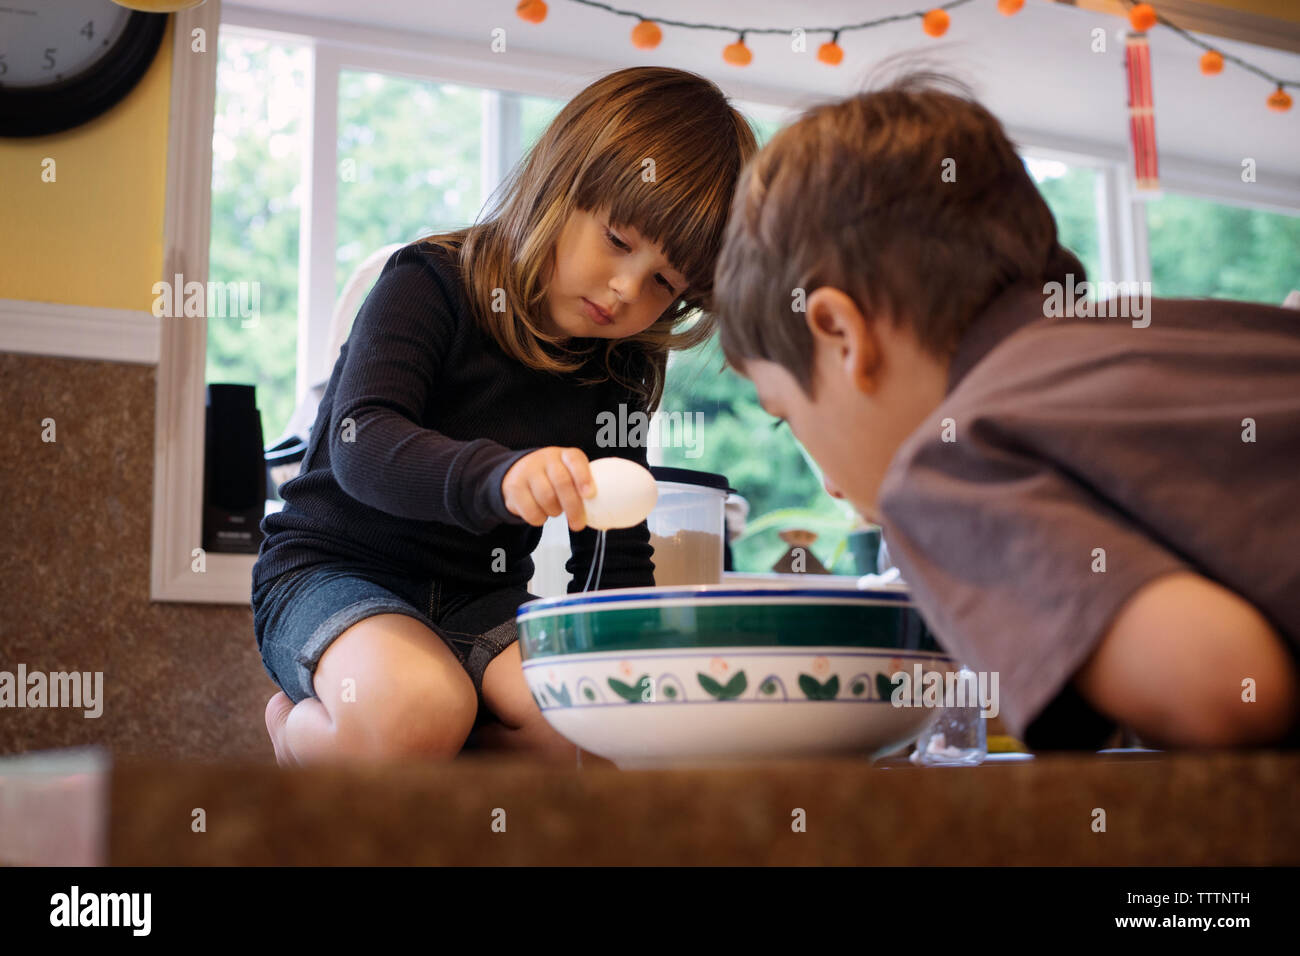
(95, 235)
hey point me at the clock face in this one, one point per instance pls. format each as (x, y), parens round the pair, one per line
(48, 41)
(64, 62)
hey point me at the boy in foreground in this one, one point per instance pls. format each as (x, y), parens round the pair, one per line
(1098, 503)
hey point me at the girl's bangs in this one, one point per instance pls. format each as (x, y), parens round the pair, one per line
(685, 214)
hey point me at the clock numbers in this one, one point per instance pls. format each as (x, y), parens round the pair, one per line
(63, 62)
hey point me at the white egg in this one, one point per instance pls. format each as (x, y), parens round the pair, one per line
(625, 494)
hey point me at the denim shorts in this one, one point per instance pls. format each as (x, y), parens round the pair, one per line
(297, 615)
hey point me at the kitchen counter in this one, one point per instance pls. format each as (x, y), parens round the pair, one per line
(1159, 809)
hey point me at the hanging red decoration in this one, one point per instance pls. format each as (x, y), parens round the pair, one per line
(1211, 62)
(1279, 100)
(1009, 8)
(1141, 109)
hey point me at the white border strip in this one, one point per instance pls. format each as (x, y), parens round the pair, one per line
(318, 220)
(179, 424)
(79, 332)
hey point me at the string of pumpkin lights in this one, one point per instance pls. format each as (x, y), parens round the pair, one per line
(648, 34)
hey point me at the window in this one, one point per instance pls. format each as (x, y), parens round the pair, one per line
(256, 198)
(535, 114)
(408, 162)
(1200, 248)
(1073, 193)
(767, 465)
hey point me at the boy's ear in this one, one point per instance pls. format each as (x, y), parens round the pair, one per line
(838, 325)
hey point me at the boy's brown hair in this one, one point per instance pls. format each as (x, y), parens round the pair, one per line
(853, 195)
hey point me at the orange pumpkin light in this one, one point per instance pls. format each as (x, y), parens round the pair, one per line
(1009, 8)
(646, 35)
(534, 11)
(737, 54)
(1142, 17)
(1211, 62)
(832, 54)
(936, 22)
(1280, 100)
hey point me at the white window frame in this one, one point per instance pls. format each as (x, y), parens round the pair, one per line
(1121, 209)
(181, 353)
(178, 571)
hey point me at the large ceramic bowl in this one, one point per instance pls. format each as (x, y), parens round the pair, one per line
(698, 675)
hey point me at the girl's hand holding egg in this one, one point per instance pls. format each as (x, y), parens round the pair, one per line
(607, 493)
(549, 482)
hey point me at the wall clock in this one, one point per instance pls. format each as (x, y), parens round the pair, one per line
(64, 62)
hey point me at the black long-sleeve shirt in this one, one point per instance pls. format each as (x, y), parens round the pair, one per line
(421, 419)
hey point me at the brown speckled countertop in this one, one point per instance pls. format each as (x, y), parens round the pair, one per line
(1220, 809)
(1160, 809)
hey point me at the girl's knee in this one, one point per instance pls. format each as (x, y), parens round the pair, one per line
(416, 725)
(406, 723)
(395, 690)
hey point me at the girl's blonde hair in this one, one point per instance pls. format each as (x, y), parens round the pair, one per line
(662, 150)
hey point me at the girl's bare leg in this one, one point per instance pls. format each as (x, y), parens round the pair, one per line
(387, 687)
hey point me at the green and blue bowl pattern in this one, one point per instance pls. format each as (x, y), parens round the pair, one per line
(651, 675)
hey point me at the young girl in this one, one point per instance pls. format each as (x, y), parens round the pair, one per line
(462, 412)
